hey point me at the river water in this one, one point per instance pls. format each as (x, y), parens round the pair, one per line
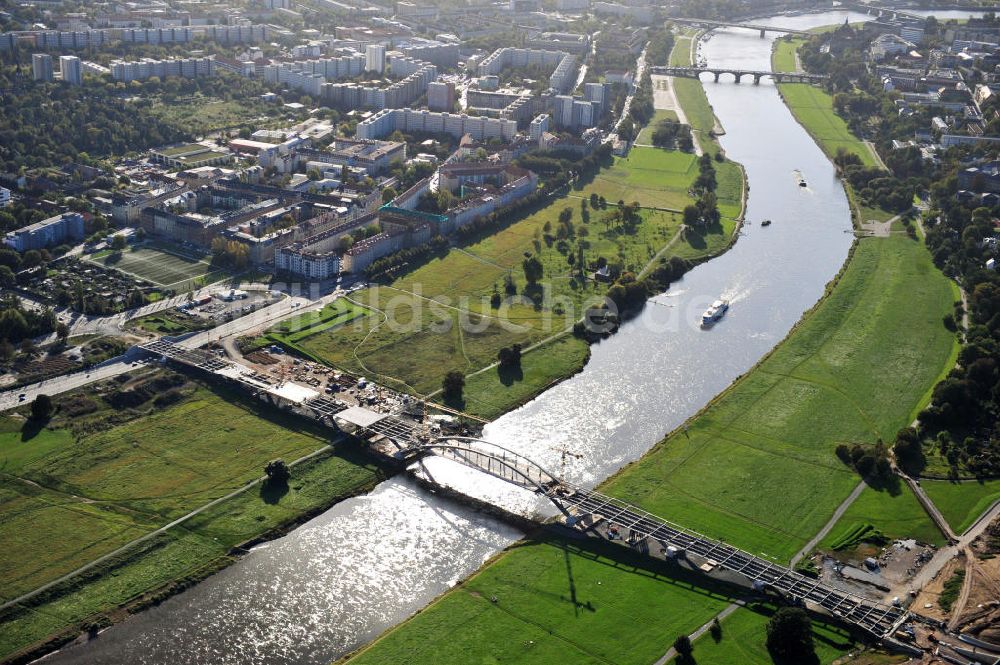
(367, 563)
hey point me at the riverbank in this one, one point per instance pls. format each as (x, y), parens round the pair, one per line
(784, 417)
(813, 109)
(439, 317)
(124, 487)
(767, 446)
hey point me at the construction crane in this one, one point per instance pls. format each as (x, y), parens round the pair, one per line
(564, 452)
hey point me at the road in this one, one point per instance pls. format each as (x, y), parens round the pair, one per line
(250, 324)
(61, 384)
(720, 617)
(640, 69)
(837, 514)
(930, 508)
(946, 554)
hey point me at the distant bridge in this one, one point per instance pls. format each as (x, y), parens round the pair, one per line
(889, 12)
(738, 74)
(601, 516)
(709, 23)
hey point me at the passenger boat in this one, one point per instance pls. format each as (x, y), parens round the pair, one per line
(715, 312)
(766, 222)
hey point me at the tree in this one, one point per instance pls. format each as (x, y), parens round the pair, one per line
(533, 269)
(691, 215)
(453, 385)
(715, 630)
(388, 194)
(41, 408)
(7, 350)
(510, 356)
(31, 259)
(118, 243)
(683, 647)
(277, 471)
(594, 201)
(10, 258)
(6, 276)
(789, 637)
(62, 332)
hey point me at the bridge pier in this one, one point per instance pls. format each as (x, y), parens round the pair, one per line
(756, 79)
(762, 31)
(717, 76)
(738, 76)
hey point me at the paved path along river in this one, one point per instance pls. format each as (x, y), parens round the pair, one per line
(369, 562)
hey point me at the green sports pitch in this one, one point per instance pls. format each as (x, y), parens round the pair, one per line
(164, 267)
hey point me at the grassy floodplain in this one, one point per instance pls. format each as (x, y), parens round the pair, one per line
(645, 137)
(585, 602)
(962, 503)
(768, 444)
(783, 59)
(440, 312)
(458, 286)
(73, 495)
(817, 389)
(896, 514)
(742, 640)
(813, 108)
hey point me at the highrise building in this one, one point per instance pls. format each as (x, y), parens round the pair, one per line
(441, 96)
(594, 92)
(41, 66)
(375, 58)
(539, 126)
(72, 73)
(563, 110)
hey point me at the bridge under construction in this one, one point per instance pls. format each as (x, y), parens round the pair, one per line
(406, 441)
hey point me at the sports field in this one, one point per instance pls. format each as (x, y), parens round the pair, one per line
(165, 267)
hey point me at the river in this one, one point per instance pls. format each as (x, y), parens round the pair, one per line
(367, 563)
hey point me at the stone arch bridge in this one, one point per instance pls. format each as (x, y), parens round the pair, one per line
(739, 74)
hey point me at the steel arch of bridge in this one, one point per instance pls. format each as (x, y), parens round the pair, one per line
(499, 462)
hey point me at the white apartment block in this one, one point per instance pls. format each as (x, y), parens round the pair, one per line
(41, 67)
(147, 68)
(375, 58)
(408, 120)
(564, 64)
(539, 126)
(69, 67)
